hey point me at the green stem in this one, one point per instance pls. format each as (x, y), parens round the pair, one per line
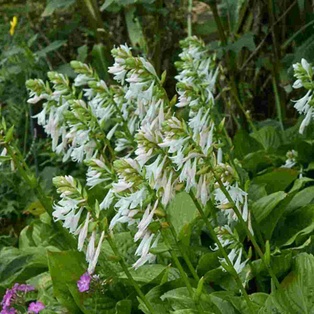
(246, 228)
(31, 180)
(184, 255)
(181, 270)
(189, 18)
(128, 274)
(223, 252)
(277, 101)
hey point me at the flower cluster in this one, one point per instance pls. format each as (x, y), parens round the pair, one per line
(304, 73)
(137, 148)
(74, 211)
(17, 296)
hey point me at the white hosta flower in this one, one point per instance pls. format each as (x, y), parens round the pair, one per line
(93, 262)
(83, 232)
(90, 252)
(143, 250)
(302, 105)
(306, 121)
(145, 221)
(168, 191)
(235, 257)
(107, 201)
(121, 185)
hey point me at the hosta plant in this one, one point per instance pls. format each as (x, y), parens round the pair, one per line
(172, 216)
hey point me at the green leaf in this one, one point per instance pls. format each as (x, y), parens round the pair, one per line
(208, 262)
(135, 30)
(302, 198)
(269, 138)
(297, 224)
(82, 53)
(124, 307)
(100, 60)
(277, 180)
(181, 213)
(106, 4)
(52, 47)
(244, 144)
(146, 273)
(264, 206)
(245, 41)
(296, 295)
(65, 269)
(53, 5)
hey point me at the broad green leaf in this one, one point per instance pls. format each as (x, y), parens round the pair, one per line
(268, 225)
(208, 262)
(264, 206)
(268, 137)
(65, 269)
(276, 180)
(146, 273)
(256, 191)
(19, 265)
(82, 53)
(302, 198)
(296, 295)
(244, 144)
(297, 224)
(299, 183)
(124, 307)
(182, 212)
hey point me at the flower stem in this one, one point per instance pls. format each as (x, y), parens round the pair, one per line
(189, 18)
(223, 252)
(128, 274)
(247, 230)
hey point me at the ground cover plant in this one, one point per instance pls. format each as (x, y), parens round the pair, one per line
(159, 199)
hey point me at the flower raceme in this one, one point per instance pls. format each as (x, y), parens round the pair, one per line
(138, 151)
(304, 73)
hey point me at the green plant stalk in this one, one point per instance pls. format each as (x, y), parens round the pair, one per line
(277, 101)
(222, 251)
(276, 60)
(247, 230)
(29, 178)
(181, 270)
(128, 274)
(189, 17)
(184, 255)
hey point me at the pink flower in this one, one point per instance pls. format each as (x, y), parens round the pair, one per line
(84, 282)
(36, 307)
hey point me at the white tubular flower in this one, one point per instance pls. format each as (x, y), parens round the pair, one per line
(83, 232)
(168, 191)
(306, 121)
(235, 257)
(143, 250)
(90, 252)
(121, 185)
(93, 262)
(107, 201)
(238, 196)
(145, 221)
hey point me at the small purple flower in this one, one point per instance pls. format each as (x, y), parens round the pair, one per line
(24, 288)
(6, 301)
(8, 311)
(84, 282)
(36, 307)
